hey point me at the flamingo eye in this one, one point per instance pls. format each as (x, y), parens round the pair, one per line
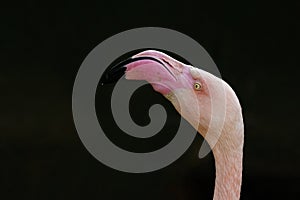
(197, 86)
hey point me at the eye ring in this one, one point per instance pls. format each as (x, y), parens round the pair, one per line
(197, 86)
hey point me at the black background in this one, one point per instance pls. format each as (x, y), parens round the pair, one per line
(255, 45)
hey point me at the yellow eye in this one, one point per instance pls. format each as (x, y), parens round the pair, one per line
(197, 86)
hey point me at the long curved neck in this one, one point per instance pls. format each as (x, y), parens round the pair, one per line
(228, 175)
(228, 154)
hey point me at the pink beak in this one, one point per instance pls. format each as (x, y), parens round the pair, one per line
(163, 72)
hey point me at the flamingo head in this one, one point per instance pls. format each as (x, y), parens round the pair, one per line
(195, 93)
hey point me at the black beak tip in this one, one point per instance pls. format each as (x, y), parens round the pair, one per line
(112, 75)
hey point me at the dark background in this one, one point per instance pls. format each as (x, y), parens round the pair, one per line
(254, 44)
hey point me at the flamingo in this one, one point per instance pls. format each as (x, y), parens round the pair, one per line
(195, 87)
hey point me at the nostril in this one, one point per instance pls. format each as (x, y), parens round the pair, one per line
(166, 62)
(175, 66)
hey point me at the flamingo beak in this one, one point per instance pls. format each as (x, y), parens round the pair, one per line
(113, 74)
(148, 68)
(164, 73)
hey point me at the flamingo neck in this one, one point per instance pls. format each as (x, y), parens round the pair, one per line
(228, 154)
(228, 177)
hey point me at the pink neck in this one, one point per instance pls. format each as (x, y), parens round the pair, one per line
(228, 154)
(228, 176)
